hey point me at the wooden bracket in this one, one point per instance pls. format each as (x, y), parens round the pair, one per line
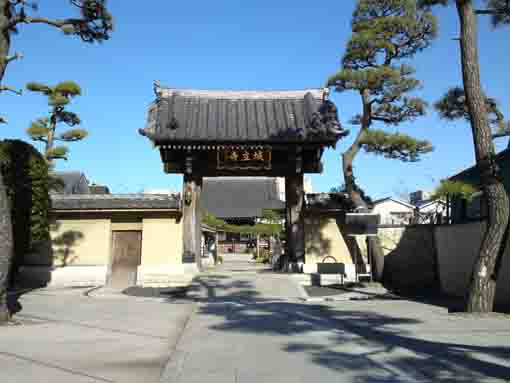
(188, 163)
(299, 159)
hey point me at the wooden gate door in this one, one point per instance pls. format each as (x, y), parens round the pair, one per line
(127, 255)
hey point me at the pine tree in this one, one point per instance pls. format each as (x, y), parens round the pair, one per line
(94, 23)
(44, 129)
(452, 106)
(482, 290)
(385, 34)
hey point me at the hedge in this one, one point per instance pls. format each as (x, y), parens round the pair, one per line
(25, 173)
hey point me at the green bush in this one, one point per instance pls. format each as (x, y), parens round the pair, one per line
(264, 256)
(25, 173)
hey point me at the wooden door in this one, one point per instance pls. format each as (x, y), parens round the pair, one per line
(127, 255)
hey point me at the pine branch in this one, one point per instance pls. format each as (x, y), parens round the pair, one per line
(73, 135)
(39, 87)
(452, 106)
(16, 56)
(95, 23)
(68, 118)
(39, 130)
(58, 152)
(395, 145)
(4, 88)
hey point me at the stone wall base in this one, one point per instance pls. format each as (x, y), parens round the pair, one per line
(68, 276)
(166, 275)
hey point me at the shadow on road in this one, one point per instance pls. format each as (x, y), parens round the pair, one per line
(372, 346)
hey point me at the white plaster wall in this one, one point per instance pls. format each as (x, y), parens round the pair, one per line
(390, 206)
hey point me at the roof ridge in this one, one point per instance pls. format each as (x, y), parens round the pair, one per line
(242, 94)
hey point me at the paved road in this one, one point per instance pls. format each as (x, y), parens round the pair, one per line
(242, 323)
(68, 337)
(250, 326)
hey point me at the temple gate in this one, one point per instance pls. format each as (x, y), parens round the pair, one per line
(204, 133)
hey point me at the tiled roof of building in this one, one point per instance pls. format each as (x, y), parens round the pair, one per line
(242, 116)
(114, 202)
(240, 197)
(75, 182)
(328, 201)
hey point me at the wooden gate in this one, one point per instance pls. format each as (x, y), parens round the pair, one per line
(127, 255)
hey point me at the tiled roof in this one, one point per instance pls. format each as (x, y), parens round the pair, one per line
(75, 182)
(328, 201)
(114, 201)
(242, 116)
(240, 197)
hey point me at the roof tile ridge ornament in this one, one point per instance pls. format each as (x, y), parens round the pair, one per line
(324, 120)
(167, 92)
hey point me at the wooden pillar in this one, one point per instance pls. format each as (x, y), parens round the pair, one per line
(295, 220)
(191, 220)
(216, 248)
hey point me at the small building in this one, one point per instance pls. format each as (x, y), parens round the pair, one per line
(118, 240)
(393, 211)
(463, 211)
(74, 182)
(239, 201)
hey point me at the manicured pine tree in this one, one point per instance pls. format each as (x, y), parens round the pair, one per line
(385, 35)
(452, 106)
(44, 129)
(482, 290)
(92, 24)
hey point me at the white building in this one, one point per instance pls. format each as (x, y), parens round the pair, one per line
(393, 211)
(307, 186)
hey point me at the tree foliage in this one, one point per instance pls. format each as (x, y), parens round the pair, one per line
(482, 288)
(362, 193)
(44, 129)
(449, 188)
(25, 174)
(499, 10)
(394, 145)
(452, 106)
(271, 228)
(385, 35)
(94, 24)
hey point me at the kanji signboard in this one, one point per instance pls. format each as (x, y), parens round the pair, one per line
(244, 158)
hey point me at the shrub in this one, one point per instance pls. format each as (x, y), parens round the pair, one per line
(25, 173)
(264, 256)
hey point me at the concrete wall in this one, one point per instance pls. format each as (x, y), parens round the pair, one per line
(83, 242)
(81, 251)
(441, 257)
(411, 265)
(161, 252)
(161, 241)
(458, 246)
(324, 241)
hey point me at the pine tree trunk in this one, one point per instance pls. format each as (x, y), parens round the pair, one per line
(374, 246)
(50, 140)
(483, 279)
(6, 243)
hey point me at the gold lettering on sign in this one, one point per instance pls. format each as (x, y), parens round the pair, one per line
(258, 155)
(244, 158)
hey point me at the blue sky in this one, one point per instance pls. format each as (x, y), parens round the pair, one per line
(230, 44)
